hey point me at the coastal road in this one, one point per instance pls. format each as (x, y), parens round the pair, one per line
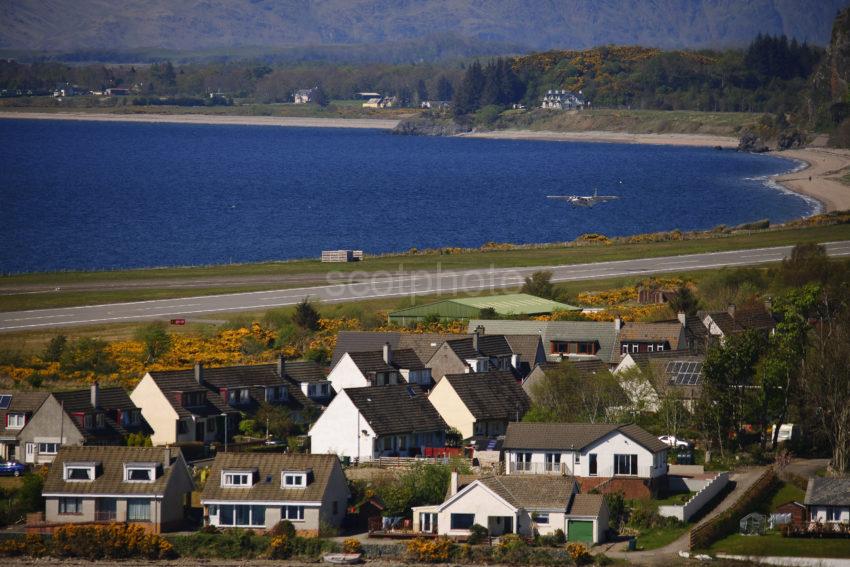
(354, 286)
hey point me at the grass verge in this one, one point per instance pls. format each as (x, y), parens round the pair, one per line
(656, 538)
(776, 545)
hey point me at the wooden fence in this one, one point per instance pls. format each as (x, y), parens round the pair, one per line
(725, 523)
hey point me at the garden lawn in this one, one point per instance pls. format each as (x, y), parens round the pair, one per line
(776, 545)
(656, 538)
(786, 493)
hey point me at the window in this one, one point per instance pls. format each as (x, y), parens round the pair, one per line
(292, 513)
(553, 461)
(592, 465)
(70, 505)
(542, 518)
(99, 421)
(88, 421)
(626, 464)
(294, 480)
(523, 461)
(833, 514)
(48, 448)
(139, 474)
(239, 479)
(659, 348)
(578, 459)
(78, 473)
(462, 521)
(15, 421)
(138, 510)
(635, 348)
(182, 427)
(625, 349)
(276, 393)
(650, 348)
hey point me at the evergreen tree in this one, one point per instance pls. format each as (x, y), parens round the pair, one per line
(445, 91)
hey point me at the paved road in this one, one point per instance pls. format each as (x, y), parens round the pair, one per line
(359, 286)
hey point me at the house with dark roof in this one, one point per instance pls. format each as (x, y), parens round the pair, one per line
(368, 423)
(93, 416)
(733, 321)
(478, 352)
(16, 410)
(423, 344)
(539, 373)
(149, 486)
(199, 404)
(598, 454)
(480, 404)
(516, 504)
(827, 500)
(257, 491)
(650, 376)
(651, 337)
(384, 367)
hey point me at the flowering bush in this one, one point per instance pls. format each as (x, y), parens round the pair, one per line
(281, 547)
(115, 541)
(579, 554)
(352, 545)
(425, 550)
(31, 545)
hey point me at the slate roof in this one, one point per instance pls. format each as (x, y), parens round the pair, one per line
(828, 492)
(110, 477)
(586, 505)
(743, 319)
(22, 402)
(573, 436)
(491, 395)
(533, 492)
(488, 345)
(268, 485)
(304, 371)
(254, 377)
(423, 344)
(527, 347)
(570, 331)
(373, 361)
(402, 408)
(653, 332)
(108, 400)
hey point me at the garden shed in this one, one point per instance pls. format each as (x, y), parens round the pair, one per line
(753, 524)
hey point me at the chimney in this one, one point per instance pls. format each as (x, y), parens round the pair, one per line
(475, 336)
(453, 482)
(388, 353)
(166, 460)
(95, 390)
(281, 365)
(731, 310)
(618, 323)
(683, 318)
(199, 372)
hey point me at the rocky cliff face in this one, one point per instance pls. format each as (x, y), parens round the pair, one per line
(829, 100)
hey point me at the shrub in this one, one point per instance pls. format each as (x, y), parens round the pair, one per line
(281, 547)
(578, 553)
(31, 545)
(602, 560)
(429, 550)
(477, 534)
(283, 528)
(512, 549)
(560, 536)
(115, 541)
(352, 545)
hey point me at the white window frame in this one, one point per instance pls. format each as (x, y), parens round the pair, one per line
(228, 477)
(20, 420)
(136, 501)
(541, 518)
(68, 467)
(650, 347)
(298, 513)
(216, 515)
(659, 348)
(43, 451)
(635, 347)
(150, 468)
(301, 477)
(63, 506)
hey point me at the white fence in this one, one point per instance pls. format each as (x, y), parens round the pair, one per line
(709, 490)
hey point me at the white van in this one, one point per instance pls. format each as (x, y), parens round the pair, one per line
(787, 432)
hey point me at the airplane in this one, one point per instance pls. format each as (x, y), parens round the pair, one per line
(584, 200)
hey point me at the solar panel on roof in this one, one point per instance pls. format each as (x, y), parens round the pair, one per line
(5, 401)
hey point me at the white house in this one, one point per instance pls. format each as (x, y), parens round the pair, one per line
(516, 504)
(562, 100)
(593, 453)
(386, 367)
(368, 423)
(828, 500)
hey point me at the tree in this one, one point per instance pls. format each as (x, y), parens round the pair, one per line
(445, 91)
(156, 340)
(87, 355)
(320, 97)
(807, 263)
(685, 301)
(421, 91)
(566, 395)
(421, 485)
(275, 420)
(467, 97)
(306, 317)
(55, 348)
(539, 284)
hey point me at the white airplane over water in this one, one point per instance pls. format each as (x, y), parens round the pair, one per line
(584, 200)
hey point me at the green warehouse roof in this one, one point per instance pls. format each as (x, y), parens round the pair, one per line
(469, 307)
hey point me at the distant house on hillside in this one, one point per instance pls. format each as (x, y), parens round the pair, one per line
(303, 96)
(721, 324)
(466, 308)
(382, 102)
(117, 91)
(563, 100)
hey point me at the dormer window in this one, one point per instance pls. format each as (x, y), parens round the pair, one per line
(81, 472)
(87, 421)
(238, 397)
(139, 472)
(276, 394)
(294, 479)
(100, 421)
(238, 479)
(320, 390)
(15, 421)
(194, 399)
(131, 417)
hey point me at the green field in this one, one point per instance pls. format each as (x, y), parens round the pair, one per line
(776, 545)
(162, 282)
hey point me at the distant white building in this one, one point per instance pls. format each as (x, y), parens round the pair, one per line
(563, 100)
(303, 96)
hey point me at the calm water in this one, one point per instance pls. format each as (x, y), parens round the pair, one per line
(89, 195)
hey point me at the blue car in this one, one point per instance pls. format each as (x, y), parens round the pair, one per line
(13, 468)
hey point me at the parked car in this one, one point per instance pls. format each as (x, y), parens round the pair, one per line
(787, 432)
(12, 468)
(674, 441)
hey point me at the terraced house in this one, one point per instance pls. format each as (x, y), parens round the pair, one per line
(16, 409)
(256, 491)
(149, 486)
(384, 367)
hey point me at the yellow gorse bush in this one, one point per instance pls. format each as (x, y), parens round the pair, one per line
(435, 550)
(114, 541)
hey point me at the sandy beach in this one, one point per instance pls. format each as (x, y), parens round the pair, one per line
(819, 180)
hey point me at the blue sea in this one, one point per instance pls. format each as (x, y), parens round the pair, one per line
(96, 195)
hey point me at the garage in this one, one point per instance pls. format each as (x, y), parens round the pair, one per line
(580, 530)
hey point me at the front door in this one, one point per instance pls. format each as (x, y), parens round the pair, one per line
(592, 465)
(199, 430)
(30, 453)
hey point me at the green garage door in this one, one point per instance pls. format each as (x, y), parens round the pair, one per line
(580, 530)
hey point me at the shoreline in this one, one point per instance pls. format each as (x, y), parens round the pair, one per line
(817, 180)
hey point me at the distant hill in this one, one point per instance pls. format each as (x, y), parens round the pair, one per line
(194, 25)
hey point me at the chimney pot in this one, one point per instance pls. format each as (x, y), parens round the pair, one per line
(683, 318)
(388, 353)
(453, 483)
(199, 372)
(95, 390)
(618, 323)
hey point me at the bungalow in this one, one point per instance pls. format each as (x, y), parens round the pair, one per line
(476, 353)
(574, 340)
(611, 457)
(198, 404)
(257, 491)
(721, 324)
(388, 421)
(138, 485)
(385, 367)
(93, 416)
(16, 409)
(563, 100)
(647, 377)
(828, 500)
(480, 404)
(516, 504)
